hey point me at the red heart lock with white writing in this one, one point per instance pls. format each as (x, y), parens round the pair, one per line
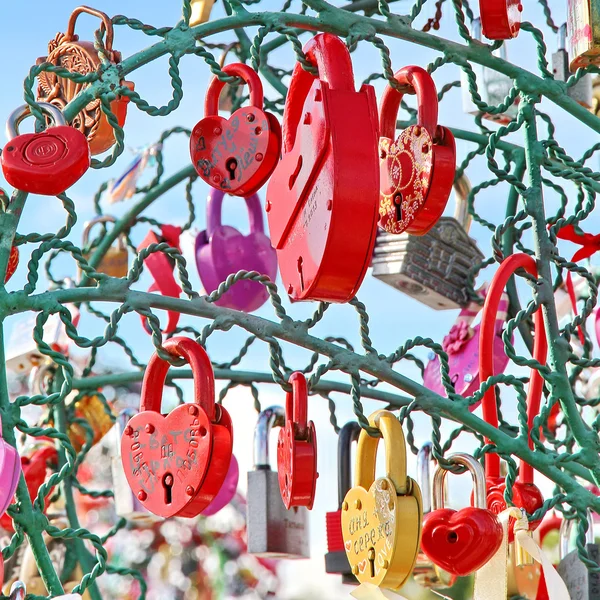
(500, 19)
(417, 169)
(297, 448)
(45, 163)
(236, 155)
(526, 494)
(176, 463)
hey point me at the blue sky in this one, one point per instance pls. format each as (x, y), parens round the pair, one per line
(394, 317)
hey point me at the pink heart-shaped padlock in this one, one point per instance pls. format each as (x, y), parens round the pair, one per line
(10, 471)
(227, 491)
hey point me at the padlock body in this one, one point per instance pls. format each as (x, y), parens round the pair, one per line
(580, 582)
(115, 263)
(583, 33)
(522, 580)
(274, 531)
(336, 563)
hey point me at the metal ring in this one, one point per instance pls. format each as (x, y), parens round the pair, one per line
(18, 115)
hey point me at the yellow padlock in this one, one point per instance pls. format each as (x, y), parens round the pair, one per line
(200, 11)
(381, 519)
(523, 579)
(116, 260)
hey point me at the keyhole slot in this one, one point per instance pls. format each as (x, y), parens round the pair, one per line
(398, 206)
(168, 485)
(296, 172)
(300, 261)
(371, 556)
(231, 165)
(452, 537)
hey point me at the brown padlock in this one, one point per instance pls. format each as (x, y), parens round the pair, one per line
(115, 262)
(65, 50)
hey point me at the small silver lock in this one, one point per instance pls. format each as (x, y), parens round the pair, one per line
(273, 531)
(581, 92)
(491, 85)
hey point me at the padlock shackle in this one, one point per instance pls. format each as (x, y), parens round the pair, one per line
(106, 22)
(462, 189)
(248, 74)
(424, 460)
(476, 471)
(18, 591)
(395, 453)
(18, 115)
(87, 228)
(565, 534)
(156, 373)
(214, 210)
(274, 416)
(331, 57)
(226, 50)
(349, 433)
(296, 405)
(486, 359)
(416, 80)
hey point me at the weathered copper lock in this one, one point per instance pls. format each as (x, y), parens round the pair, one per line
(236, 155)
(176, 463)
(115, 262)
(417, 169)
(583, 31)
(297, 448)
(66, 51)
(326, 186)
(381, 519)
(45, 163)
(500, 19)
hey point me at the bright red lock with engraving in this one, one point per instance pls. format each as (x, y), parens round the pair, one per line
(323, 196)
(500, 19)
(297, 448)
(176, 463)
(526, 494)
(45, 163)
(417, 169)
(236, 155)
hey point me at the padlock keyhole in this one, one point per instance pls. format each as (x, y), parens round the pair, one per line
(168, 485)
(296, 172)
(371, 557)
(452, 537)
(398, 206)
(231, 166)
(300, 261)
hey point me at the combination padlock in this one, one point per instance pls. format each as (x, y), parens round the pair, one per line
(500, 19)
(45, 163)
(336, 560)
(581, 92)
(273, 531)
(417, 169)
(327, 182)
(176, 463)
(115, 262)
(460, 542)
(297, 448)
(238, 154)
(67, 51)
(221, 250)
(583, 31)
(381, 519)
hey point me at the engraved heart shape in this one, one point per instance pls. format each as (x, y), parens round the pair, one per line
(237, 154)
(461, 542)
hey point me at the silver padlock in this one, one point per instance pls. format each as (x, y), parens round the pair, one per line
(491, 85)
(581, 583)
(432, 268)
(127, 504)
(581, 92)
(273, 531)
(18, 591)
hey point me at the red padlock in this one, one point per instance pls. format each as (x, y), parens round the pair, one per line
(13, 263)
(176, 463)
(297, 448)
(526, 494)
(45, 163)
(236, 155)
(417, 170)
(161, 268)
(500, 19)
(324, 192)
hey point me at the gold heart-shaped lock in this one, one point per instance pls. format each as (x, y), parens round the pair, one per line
(381, 519)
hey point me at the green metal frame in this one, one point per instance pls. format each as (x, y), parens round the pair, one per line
(571, 460)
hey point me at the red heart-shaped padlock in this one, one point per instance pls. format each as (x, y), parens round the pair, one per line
(297, 448)
(417, 170)
(176, 463)
(500, 19)
(45, 163)
(236, 155)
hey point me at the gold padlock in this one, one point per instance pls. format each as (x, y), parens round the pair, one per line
(583, 32)
(115, 262)
(200, 11)
(523, 576)
(92, 409)
(381, 519)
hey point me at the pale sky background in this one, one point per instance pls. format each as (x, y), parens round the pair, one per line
(27, 28)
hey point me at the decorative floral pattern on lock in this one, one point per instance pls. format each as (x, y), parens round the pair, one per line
(458, 336)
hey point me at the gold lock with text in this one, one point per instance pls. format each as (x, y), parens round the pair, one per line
(115, 262)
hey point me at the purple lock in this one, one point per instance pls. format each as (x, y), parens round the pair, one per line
(227, 491)
(222, 250)
(462, 346)
(10, 471)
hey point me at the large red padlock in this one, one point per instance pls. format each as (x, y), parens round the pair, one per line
(500, 19)
(236, 155)
(297, 448)
(322, 199)
(176, 463)
(417, 169)
(45, 163)
(526, 494)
